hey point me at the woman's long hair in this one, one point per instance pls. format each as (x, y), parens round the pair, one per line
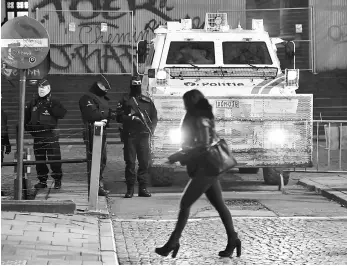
(196, 106)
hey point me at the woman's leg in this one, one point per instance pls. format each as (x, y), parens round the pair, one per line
(193, 191)
(214, 195)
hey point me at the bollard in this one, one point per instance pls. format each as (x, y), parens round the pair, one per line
(26, 170)
(95, 167)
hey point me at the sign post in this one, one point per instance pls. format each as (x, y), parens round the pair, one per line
(24, 45)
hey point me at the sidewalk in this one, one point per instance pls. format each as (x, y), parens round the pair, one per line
(82, 238)
(331, 187)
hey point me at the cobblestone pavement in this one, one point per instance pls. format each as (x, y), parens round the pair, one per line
(264, 241)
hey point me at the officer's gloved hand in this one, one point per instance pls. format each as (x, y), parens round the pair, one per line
(112, 114)
(8, 148)
(104, 121)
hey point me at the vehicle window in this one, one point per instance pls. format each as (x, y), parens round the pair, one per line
(246, 53)
(191, 53)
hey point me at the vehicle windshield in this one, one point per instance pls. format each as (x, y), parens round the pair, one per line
(191, 53)
(246, 53)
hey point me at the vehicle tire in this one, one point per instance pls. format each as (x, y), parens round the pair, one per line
(161, 176)
(248, 170)
(272, 176)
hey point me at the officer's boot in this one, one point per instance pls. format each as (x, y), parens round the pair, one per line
(130, 191)
(143, 192)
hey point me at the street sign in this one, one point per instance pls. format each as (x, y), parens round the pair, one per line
(24, 43)
(36, 73)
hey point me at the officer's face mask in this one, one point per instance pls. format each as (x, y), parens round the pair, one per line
(44, 90)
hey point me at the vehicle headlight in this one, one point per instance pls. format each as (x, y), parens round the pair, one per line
(292, 77)
(277, 136)
(162, 78)
(175, 135)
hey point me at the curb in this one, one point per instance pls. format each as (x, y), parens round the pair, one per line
(107, 239)
(58, 206)
(325, 191)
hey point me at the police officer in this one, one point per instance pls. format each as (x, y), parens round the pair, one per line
(41, 120)
(5, 140)
(138, 115)
(94, 106)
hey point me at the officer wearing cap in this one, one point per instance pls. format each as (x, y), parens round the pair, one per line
(138, 115)
(41, 120)
(94, 106)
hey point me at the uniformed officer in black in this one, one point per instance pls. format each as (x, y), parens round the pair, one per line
(5, 140)
(131, 110)
(94, 106)
(41, 120)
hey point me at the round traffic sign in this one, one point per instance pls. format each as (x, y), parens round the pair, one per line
(24, 43)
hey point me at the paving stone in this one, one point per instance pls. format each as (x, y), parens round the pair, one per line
(67, 235)
(18, 232)
(37, 262)
(19, 238)
(265, 241)
(91, 263)
(28, 218)
(8, 215)
(56, 220)
(53, 228)
(41, 235)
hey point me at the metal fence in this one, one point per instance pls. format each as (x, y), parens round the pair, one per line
(294, 24)
(89, 41)
(329, 147)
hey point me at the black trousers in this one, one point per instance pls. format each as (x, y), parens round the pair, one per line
(48, 148)
(136, 145)
(195, 188)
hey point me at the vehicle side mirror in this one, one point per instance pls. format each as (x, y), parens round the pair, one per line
(142, 51)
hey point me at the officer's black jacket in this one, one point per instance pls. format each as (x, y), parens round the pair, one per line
(94, 107)
(41, 115)
(4, 129)
(127, 108)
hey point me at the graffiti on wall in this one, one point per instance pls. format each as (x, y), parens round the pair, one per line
(80, 43)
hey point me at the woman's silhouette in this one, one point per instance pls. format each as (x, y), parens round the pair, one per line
(198, 130)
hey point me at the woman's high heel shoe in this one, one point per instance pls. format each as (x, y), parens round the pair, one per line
(165, 250)
(236, 243)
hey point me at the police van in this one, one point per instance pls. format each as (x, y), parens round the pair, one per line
(239, 71)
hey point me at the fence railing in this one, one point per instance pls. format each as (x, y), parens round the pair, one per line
(92, 157)
(329, 147)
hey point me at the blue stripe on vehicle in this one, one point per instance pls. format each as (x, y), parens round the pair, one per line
(268, 88)
(256, 89)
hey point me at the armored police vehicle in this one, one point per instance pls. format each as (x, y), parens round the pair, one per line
(266, 124)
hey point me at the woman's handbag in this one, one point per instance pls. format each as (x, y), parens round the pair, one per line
(219, 157)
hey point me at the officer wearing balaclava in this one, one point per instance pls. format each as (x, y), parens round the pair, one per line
(41, 120)
(138, 115)
(94, 106)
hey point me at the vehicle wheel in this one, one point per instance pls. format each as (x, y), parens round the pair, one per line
(272, 176)
(248, 170)
(161, 176)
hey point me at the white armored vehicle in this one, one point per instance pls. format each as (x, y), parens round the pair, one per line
(256, 108)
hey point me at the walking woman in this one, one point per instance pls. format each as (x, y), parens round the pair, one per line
(198, 130)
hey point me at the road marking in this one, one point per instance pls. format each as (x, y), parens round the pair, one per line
(18, 43)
